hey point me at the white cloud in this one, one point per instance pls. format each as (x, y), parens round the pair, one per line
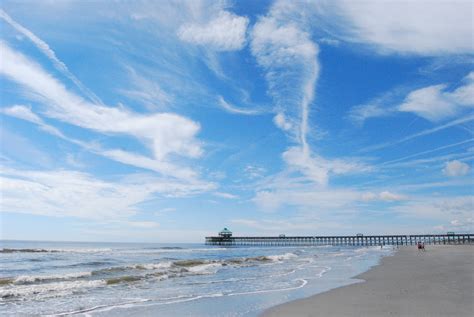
(226, 32)
(382, 196)
(317, 168)
(434, 103)
(165, 210)
(359, 114)
(141, 161)
(225, 195)
(22, 112)
(163, 133)
(441, 208)
(293, 226)
(456, 225)
(441, 127)
(146, 91)
(160, 166)
(428, 103)
(309, 166)
(456, 168)
(289, 57)
(283, 47)
(320, 201)
(66, 193)
(407, 27)
(253, 172)
(76, 194)
(17, 149)
(329, 41)
(75, 161)
(46, 50)
(233, 109)
(281, 122)
(25, 113)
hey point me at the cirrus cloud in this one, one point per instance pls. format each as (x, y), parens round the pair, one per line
(226, 32)
(164, 134)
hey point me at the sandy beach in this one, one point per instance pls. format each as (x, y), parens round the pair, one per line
(437, 282)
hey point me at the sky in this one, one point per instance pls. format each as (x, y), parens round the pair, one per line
(165, 121)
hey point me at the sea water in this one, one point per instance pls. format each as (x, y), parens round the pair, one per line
(118, 279)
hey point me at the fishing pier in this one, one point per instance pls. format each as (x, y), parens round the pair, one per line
(225, 238)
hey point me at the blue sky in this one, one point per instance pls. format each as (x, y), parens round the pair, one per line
(168, 120)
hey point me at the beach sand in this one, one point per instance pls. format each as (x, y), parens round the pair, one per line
(438, 282)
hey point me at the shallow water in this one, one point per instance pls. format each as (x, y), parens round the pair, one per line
(118, 279)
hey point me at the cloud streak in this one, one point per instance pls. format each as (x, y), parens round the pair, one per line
(425, 132)
(76, 194)
(46, 50)
(163, 133)
(233, 109)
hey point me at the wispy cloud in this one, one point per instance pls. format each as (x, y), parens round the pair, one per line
(382, 196)
(416, 27)
(233, 109)
(225, 195)
(289, 56)
(427, 151)
(146, 91)
(133, 159)
(441, 208)
(425, 132)
(25, 113)
(434, 103)
(163, 133)
(225, 32)
(77, 194)
(46, 50)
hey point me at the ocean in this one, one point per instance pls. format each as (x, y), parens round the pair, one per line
(126, 279)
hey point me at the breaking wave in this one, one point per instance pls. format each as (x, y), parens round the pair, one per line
(5, 250)
(79, 250)
(47, 290)
(63, 284)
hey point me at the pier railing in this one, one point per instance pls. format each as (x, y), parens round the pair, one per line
(358, 240)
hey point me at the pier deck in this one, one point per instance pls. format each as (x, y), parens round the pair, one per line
(358, 240)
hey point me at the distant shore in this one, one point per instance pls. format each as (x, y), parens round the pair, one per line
(437, 282)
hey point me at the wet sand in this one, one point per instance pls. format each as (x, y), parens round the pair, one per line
(437, 282)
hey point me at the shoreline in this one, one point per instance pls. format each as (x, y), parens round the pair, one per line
(438, 282)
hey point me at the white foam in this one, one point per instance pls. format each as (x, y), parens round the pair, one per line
(48, 290)
(80, 250)
(283, 274)
(167, 301)
(303, 283)
(282, 257)
(24, 279)
(204, 268)
(324, 270)
(172, 250)
(154, 266)
(99, 307)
